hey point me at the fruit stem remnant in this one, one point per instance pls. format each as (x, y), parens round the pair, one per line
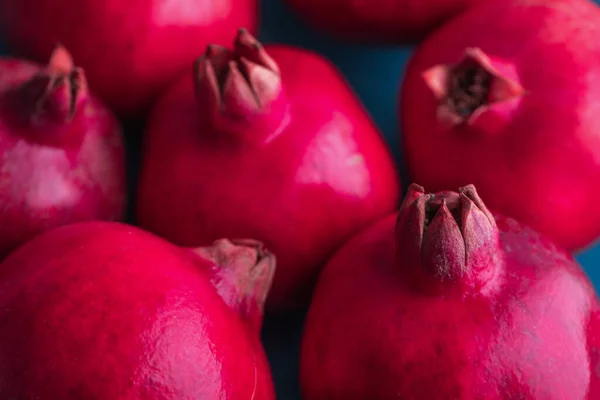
(54, 95)
(447, 242)
(466, 89)
(242, 274)
(240, 90)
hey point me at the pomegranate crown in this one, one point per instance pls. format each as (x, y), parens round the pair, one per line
(245, 75)
(471, 86)
(242, 274)
(55, 93)
(451, 236)
(241, 89)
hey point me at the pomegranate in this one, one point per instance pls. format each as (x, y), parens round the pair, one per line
(447, 301)
(380, 21)
(102, 310)
(61, 150)
(477, 108)
(130, 49)
(270, 143)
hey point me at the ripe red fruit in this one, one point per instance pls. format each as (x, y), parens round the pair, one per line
(477, 107)
(265, 142)
(446, 302)
(61, 151)
(130, 49)
(382, 21)
(107, 311)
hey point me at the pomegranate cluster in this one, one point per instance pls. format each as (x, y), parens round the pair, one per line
(142, 265)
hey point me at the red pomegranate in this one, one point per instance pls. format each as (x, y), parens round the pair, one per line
(270, 143)
(477, 108)
(381, 21)
(446, 301)
(61, 151)
(130, 49)
(106, 311)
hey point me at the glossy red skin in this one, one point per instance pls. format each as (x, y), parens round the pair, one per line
(549, 147)
(106, 311)
(370, 335)
(130, 50)
(380, 21)
(46, 183)
(302, 194)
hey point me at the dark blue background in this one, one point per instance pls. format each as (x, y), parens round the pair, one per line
(374, 73)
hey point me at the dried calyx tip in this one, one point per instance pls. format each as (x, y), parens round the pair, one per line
(56, 92)
(240, 91)
(245, 73)
(468, 87)
(249, 47)
(414, 191)
(470, 192)
(243, 274)
(61, 60)
(451, 235)
(261, 272)
(453, 203)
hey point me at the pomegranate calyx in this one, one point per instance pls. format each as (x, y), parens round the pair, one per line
(243, 80)
(451, 236)
(243, 275)
(248, 47)
(56, 93)
(241, 87)
(469, 87)
(61, 60)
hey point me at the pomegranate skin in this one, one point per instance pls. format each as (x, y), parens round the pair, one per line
(62, 156)
(379, 21)
(532, 331)
(541, 140)
(131, 50)
(106, 311)
(301, 176)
